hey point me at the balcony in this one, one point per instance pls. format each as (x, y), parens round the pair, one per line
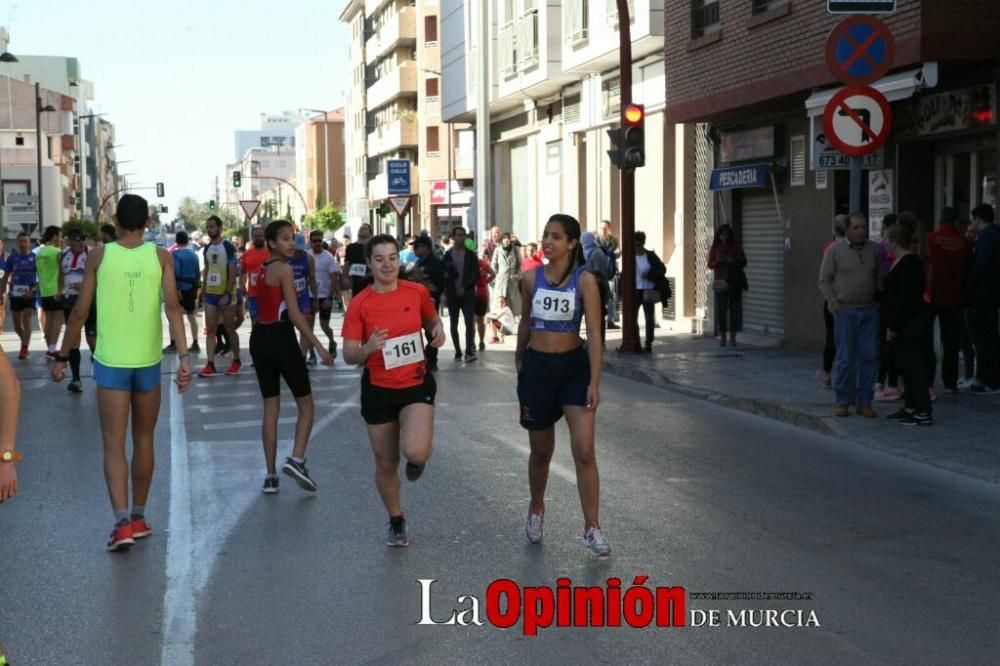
(400, 30)
(403, 132)
(591, 38)
(575, 15)
(527, 41)
(400, 82)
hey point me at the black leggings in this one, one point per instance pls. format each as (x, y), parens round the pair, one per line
(830, 346)
(467, 306)
(275, 353)
(649, 310)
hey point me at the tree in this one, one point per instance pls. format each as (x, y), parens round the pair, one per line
(327, 218)
(88, 228)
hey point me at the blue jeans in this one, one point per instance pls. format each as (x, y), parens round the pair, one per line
(856, 332)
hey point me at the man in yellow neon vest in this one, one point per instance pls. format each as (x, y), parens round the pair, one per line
(127, 277)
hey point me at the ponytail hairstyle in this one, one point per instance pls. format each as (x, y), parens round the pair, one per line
(571, 227)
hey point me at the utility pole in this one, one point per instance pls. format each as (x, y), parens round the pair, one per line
(483, 123)
(630, 318)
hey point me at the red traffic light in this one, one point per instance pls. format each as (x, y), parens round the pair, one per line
(634, 114)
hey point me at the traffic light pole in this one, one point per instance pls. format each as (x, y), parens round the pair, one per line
(630, 315)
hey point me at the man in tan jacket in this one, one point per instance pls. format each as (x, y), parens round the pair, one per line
(850, 278)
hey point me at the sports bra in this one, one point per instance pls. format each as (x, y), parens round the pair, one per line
(270, 300)
(556, 309)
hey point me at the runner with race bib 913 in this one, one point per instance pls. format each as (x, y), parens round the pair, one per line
(559, 374)
(383, 329)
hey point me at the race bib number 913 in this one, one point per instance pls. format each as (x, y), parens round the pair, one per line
(553, 305)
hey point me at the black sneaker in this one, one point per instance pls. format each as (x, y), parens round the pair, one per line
(298, 472)
(194, 349)
(899, 415)
(613, 327)
(918, 420)
(75, 386)
(470, 358)
(396, 536)
(482, 346)
(458, 357)
(170, 349)
(413, 472)
(271, 485)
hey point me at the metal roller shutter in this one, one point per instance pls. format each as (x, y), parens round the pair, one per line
(763, 242)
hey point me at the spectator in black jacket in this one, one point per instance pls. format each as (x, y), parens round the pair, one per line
(651, 285)
(461, 274)
(984, 299)
(433, 270)
(908, 325)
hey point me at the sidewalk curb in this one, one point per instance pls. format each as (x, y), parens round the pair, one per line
(825, 425)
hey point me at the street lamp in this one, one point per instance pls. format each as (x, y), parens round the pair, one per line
(326, 151)
(39, 109)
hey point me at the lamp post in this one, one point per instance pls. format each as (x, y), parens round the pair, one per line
(7, 57)
(48, 108)
(326, 152)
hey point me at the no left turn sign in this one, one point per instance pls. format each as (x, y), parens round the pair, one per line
(857, 120)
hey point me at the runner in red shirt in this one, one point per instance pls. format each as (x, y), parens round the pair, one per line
(250, 264)
(383, 329)
(486, 275)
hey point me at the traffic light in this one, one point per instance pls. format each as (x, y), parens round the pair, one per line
(615, 140)
(211, 204)
(159, 190)
(237, 179)
(633, 153)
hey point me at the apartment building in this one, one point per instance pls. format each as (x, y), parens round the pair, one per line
(320, 161)
(554, 93)
(394, 112)
(755, 73)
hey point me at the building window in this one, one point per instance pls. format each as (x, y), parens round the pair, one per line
(430, 30)
(704, 17)
(761, 6)
(798, 161)
(575, 14)
(431, 87)
(433, 140)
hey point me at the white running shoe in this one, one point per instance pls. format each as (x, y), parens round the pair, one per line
(533, 526)
(595, 541)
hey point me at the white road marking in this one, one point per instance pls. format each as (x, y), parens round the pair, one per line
(256, 394)
(282, 420)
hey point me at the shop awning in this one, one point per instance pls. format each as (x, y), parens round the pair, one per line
(739, 177)
(895, 87)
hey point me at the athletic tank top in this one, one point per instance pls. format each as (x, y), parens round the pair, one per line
(556, 309)
(270, 300)
(129, 283)
(300, 273)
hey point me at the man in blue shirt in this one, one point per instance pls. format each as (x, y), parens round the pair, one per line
(187, 273)
(21, 274)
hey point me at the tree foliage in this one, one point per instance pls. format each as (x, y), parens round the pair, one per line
(327, 218)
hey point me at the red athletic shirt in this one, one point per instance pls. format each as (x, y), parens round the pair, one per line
(483, 284)
(270, 300)
(250, 263)
(401, 312)
(949, 254)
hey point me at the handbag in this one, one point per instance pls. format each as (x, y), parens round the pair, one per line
(651, 296)
(720, 285)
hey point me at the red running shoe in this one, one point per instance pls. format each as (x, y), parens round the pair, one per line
(140, 528)
(208, 370)
(121, 538)
(234, 369)
(24, 352)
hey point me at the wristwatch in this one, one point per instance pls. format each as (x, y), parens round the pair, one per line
(9, 456)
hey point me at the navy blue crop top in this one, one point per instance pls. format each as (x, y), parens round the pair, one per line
(556, 309)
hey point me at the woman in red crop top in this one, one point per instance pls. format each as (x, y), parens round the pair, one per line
(275, 352)
(558, 374)
(383, 329)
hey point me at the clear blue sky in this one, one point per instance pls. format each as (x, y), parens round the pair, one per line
(177, 78)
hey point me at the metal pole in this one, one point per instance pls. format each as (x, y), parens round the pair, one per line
(630, 317)
(483, 124)
(38, 151)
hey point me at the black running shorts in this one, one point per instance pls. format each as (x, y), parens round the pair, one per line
(383, 405)
(52, 304)
(275, 353)
(548, 382)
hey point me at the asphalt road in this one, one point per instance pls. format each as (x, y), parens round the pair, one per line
(900, 560)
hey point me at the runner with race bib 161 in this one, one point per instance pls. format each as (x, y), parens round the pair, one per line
(383, 329)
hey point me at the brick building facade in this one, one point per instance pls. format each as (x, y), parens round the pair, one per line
(754, 70)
